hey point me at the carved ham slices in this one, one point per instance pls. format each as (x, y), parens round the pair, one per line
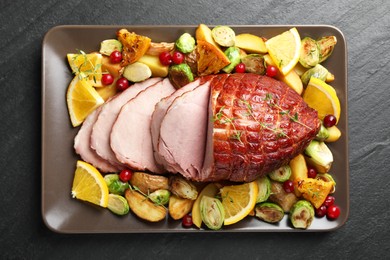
(233, 127)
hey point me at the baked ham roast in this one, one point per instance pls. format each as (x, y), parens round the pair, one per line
(234, 127)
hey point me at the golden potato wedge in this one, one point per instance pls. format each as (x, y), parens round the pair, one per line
(115, 69)
(334, 134)
(143, 207)
(153, 62)
(210, 58)
(298, 171)
(250, 43)
(148, 183)
(210, 190)
(134, 46)
(179, 207)
(203, 33)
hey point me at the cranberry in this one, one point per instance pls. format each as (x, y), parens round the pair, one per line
(177, 57)
(125, 175)
(329, 201)
(115, 57)
(240, 68)
(288, 186)
(333, 212)
(107, 79)
(321, 211)
(272, 71)
(165, 58)
(311, 172)
(186, 221)
(122, 84)
(329, 120)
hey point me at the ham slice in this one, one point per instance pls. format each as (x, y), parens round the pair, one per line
(131, 139)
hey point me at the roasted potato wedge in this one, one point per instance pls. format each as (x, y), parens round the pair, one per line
(143, 207)
(179, 207)
(148, 183)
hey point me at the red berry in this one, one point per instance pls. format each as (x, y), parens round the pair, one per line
(240, 68)
(321, 211)
(115, 57)
(125, 175)
(288, 186)
(165, 58)
(122, 84)
(107, 79)
(272, 71)
(329, 201)
(311, 172)
(177, 57)
(329, 121)
(187, 221)
(333, 212)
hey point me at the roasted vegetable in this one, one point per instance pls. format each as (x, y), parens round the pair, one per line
(326, 177)
(179, 207)
(233, 54)
(160, 197)
(134, 46)
(315, 190)
(319, 156)
(210, 58)
(212, 212)
(302, 214)
(326, 45)
(269, 212)
(298, 171)
(148, 183)
(334, 134)
(250, 43)
(110, 45)
(180, 75)
(137, 72)
(203, 33)
(210, 190)
(143, 207)
(281, 197)
(310, 53)
(224, 35)
(185, 43)
(117, 204)
(319, 72)
(156, 48)
(182, 187)
(254, 63)
(115, 185)
(281, 174)
(323, 134)
(264, 185)
(154, 64)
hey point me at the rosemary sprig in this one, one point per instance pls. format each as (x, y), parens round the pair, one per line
(221, 118)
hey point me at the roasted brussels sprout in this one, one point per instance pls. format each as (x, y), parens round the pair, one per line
(319, 72)
(115, 185)
(281, 197)
(327, 178)
(281, 174)
(224, 35)
(110, 45)
(301, 214)
(264, 185)
(233, 54)
(326, 45)
(137, 72)
(323, 134)
(117, 204)
(212, 212)
(180, 75)
(182, 187)
(319, 156)
(160, 197)
(269, 212)
(310, 53)
(254, 63)
(148, 183)
(185, 43)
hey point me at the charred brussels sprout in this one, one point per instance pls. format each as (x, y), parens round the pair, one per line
(224, 36)
(254, 63)
(323, 134)
(264, 185)
(160, 197)
(319, 156)
(233, 54)
(212, 212)
(182, 188)
(301, 214)
(110, 45)
(115, 185)
(180, 75)
(310, 54)
(281, 174)
(185, 43)
(117, 204)
(326, 45)
(269, 212)
(319, 72)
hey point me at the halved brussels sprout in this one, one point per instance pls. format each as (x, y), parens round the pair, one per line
(326, 45)
(269, 212)
(302, 214)
(180, 75)
(212, 212)
(319, 72)
(310, 53)
(319, 156)
(115, 185)
(281, 174)
(185, 43)
(160, 197)
(182, 188)
(264, 185)
(254, 63)
(110, 45)
(224, 35)
(234, 56)
(117, 204)
(327, 178)
(323, 134)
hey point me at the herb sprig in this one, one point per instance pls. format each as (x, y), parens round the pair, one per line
(221, 118)
(85, 74)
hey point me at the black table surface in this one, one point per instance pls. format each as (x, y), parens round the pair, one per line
(366, 234)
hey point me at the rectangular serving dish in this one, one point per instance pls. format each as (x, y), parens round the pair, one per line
(63, 214)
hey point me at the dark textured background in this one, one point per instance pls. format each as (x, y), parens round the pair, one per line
(366, 234)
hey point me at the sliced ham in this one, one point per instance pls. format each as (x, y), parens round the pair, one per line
(183, 131)
(100, 137)
(131, 139)
(82, 145)
(161, 156)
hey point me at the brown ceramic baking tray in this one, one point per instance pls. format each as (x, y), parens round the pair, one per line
(63, 214)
